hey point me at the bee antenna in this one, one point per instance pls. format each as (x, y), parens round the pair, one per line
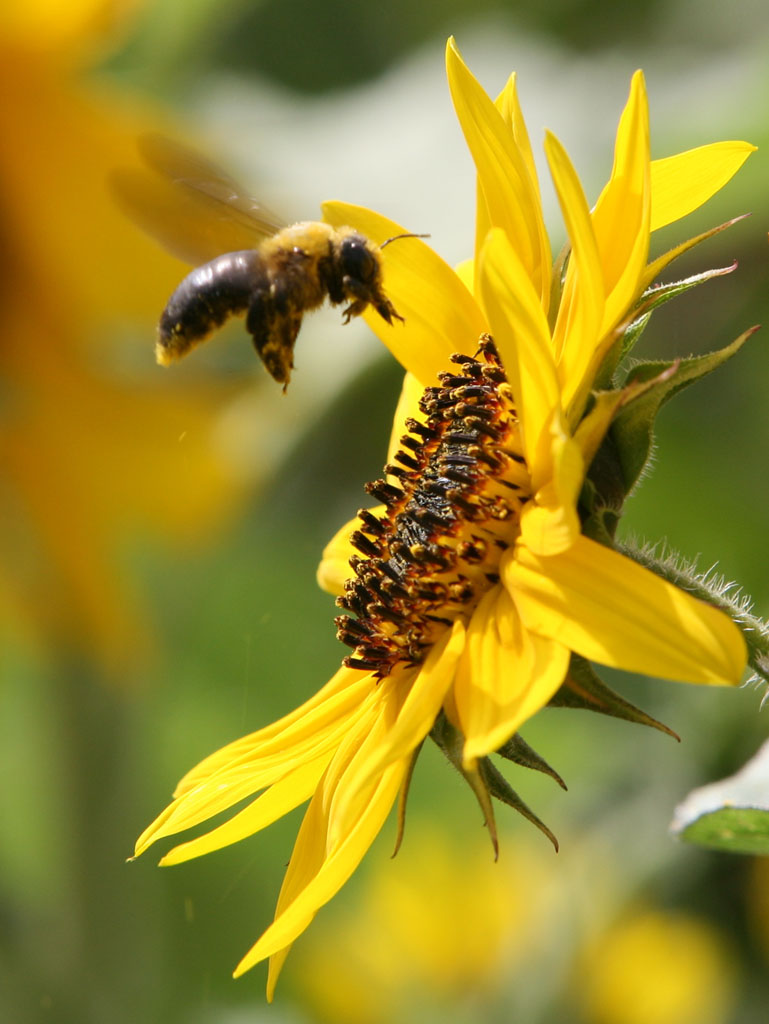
(396, 237)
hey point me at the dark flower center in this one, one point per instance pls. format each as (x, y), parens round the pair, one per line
(461, 484)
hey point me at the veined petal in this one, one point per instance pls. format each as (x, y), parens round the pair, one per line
(440, 314)
(282, 797)
(581, 311)
(681, 183)
(511, 199)
(505, 675)
(301, 897)
(611, 610)
(522, 337)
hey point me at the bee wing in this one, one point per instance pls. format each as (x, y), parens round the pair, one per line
(191, 206)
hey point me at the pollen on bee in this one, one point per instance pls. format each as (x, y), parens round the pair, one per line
(450, 516)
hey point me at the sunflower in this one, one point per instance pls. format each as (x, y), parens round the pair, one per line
(486, 580)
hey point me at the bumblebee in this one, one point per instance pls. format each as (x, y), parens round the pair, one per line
(274, 274)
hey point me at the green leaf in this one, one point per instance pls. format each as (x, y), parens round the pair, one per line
(633, 427)
(731, 815)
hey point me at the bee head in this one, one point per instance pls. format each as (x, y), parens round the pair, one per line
(359, 260)
(361, 271)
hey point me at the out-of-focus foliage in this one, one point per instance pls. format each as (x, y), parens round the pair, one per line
(105, 458)
(730, 815)
(92, 449)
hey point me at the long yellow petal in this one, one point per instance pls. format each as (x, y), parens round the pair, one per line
(581, 311)
(681, 183)
(344, 679)
(610, 609)
(622, 214)
(440, 314)
(404, 726)
(522, 336)
(258, 765)
(512, 200)
(297, 911)
(506, 674)
(279, 799)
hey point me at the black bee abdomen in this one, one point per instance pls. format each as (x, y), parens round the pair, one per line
(205, 299)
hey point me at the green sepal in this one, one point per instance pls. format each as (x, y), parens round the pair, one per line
(657, 295)
(485, 782)
(583, 688)
(497, 785)
(403, 797)
(519, 752)
(731, 815)
(633, 427)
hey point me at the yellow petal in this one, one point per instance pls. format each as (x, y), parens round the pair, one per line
(264, 758)
(342, 693)
(465, 271)
(282, 797)
(550, 523)
(508, 105)
(301, 898)
(511, 198)
(505, 675)
(622, 214)
(410, 717)
(681, 183)
(408, 407)
(521, 334)
(334, 567)
(610, 609)
(440, 314)
(581, 310)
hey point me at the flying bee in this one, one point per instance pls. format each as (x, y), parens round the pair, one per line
(271, 273)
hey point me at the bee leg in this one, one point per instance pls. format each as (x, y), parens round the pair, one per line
(354, 309)
(274, 333)
(386, 310)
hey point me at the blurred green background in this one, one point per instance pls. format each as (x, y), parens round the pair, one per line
(161, 529)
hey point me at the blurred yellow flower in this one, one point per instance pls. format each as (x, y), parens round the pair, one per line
(91, 449)
(474, 584)
(444, 925)
(658, 967)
